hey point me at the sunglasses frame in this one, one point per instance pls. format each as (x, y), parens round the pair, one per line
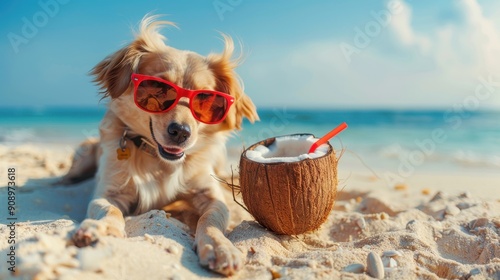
(181, 92)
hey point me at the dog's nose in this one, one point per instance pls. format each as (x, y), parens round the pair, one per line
(178, 132)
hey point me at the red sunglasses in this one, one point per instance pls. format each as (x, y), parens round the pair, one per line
(155, 95)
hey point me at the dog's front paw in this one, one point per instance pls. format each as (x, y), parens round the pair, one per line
(89, 232)
(219, 254)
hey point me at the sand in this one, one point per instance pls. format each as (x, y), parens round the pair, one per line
(434, 226)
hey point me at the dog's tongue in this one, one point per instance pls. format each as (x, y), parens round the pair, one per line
(174, 151)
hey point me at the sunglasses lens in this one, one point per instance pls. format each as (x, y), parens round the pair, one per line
(155, 96)
(209, 107)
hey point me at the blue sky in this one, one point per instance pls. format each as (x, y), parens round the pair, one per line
(328, 54)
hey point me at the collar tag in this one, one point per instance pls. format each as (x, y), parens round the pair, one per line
(123, 153)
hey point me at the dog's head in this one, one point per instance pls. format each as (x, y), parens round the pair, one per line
(176, 131)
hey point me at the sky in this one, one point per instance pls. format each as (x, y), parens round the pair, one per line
(397, 54)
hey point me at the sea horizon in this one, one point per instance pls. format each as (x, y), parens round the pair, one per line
(430, 139)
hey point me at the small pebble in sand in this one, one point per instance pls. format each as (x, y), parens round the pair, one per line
(252, 250)
(411, 225)
(475, 271)
(465, 195)
(465, 205)
(343, 206)
(401, 187)
(389, 262)
(176, 277)
(496, 222)
(374, 266)
(479, 222)
(392, 253)
(393, 263)
(426, 191)
(451, 210)
(173, 250)
(437, 196)
(355, 268)
(149, 238)
(275, 274)
(312, 264)
(361, 223)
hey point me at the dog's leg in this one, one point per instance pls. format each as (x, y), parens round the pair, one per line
(113, 198)
(104, 219)
(114, 194)
(214, 250)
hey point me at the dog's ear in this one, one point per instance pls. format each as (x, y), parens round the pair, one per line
(113, 73)
(222, 65)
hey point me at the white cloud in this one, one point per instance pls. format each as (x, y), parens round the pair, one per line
(434, 67)
(485, 37)
(401, 26)
(470, 46)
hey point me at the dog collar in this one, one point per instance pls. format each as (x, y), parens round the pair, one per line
(141, 142)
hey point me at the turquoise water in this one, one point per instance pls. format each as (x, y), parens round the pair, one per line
(428, 139)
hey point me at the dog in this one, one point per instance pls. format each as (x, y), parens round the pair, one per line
(162, 138)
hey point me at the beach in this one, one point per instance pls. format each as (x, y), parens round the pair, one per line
(416, 189)
(427, 206)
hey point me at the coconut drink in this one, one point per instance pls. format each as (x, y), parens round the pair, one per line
(289, 183)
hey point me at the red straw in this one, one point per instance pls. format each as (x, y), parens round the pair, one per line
(327, 137)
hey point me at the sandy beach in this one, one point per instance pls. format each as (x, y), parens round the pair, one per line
(418, 179)
(431, 227)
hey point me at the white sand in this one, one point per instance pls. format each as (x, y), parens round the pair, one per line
(435, 226)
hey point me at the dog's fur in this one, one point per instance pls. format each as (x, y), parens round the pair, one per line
(144, 182)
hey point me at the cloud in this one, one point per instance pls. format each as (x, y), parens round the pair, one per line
(485, 36)
(471, 44)
(437, 66)
(401, 26)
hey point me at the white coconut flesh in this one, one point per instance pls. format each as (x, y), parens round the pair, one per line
(290, 148)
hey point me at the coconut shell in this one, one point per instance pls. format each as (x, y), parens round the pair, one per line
(289, 197)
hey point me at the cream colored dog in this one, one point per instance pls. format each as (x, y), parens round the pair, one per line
(142, 164)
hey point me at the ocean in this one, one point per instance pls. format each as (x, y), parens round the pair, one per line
(426, 140)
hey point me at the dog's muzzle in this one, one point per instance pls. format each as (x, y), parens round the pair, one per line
(178, 134)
